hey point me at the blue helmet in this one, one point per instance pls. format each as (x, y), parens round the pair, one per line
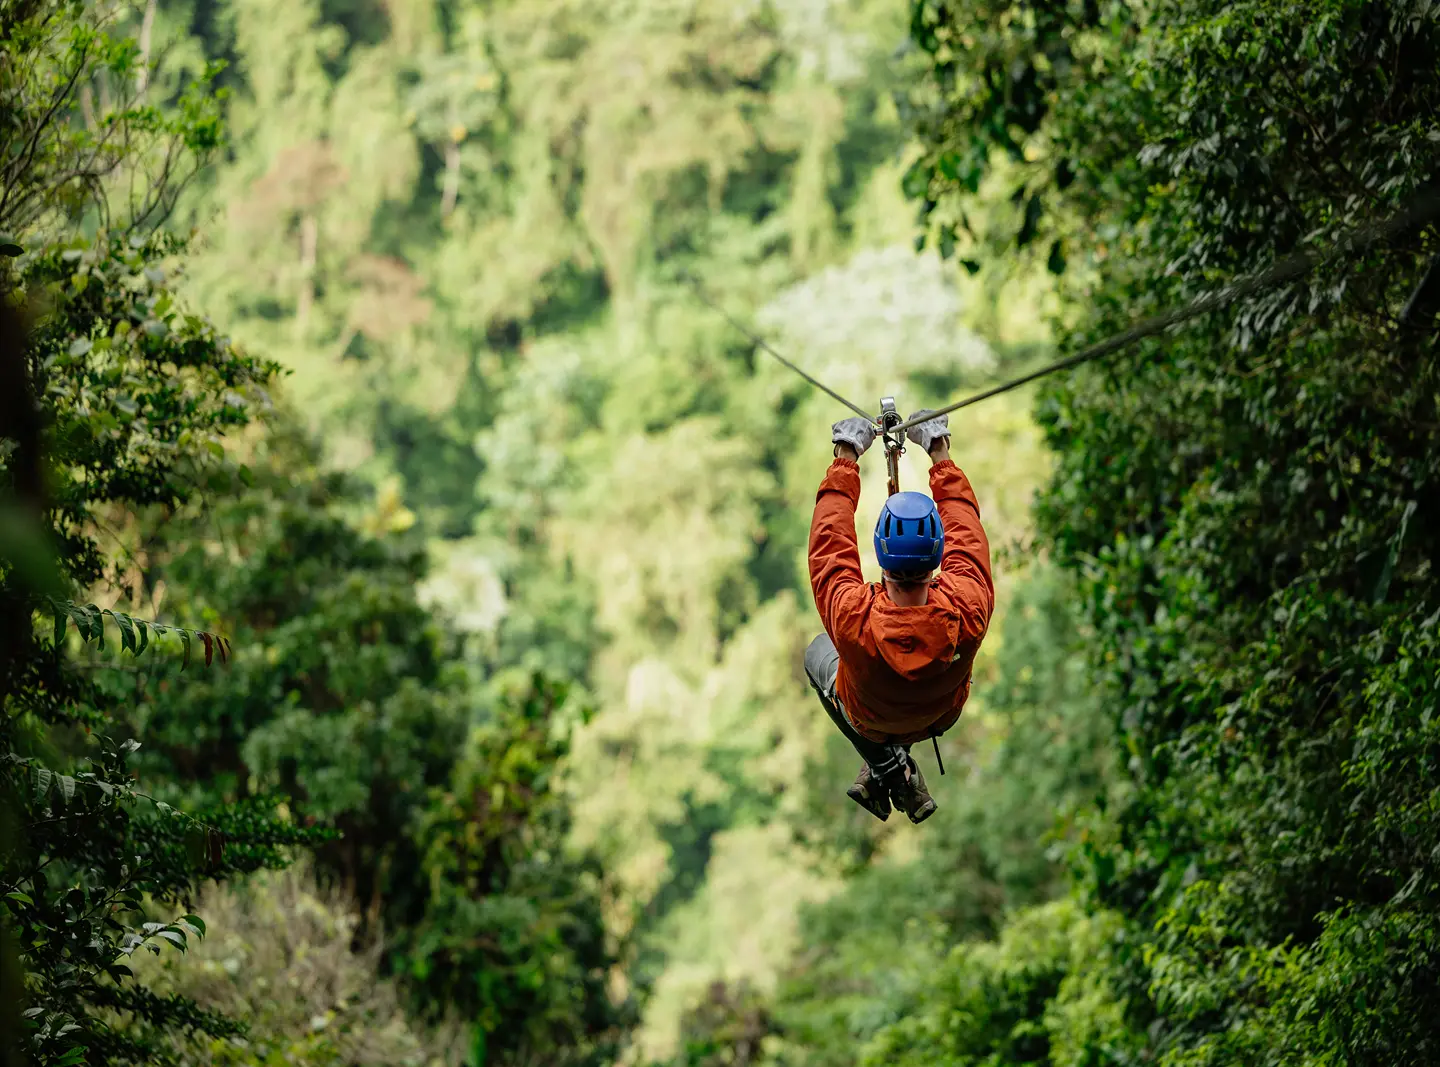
(909, 539)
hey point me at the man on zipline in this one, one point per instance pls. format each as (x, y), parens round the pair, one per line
(893, 665)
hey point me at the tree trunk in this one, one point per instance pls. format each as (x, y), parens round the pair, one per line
(451, 191)
(309, 240)
(147, 27)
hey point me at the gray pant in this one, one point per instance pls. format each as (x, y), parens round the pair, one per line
(822, 665)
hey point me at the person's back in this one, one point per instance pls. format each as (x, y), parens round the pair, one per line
(893, 666)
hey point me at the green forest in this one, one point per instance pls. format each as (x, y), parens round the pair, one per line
(403, 583)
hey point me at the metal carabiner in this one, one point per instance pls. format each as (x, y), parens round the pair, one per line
(894, 443)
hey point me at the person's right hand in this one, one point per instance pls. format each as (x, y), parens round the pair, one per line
(856, 432)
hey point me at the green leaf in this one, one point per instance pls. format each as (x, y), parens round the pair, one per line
(947, 242)
(11, 249)
(916, 182)
(23, 898)
(197, 922)
(91, 622)
(43, 779)
(60, 619)
(142, 632)
(185, 640)
(127, 631)
(67, 787)
(175, 937)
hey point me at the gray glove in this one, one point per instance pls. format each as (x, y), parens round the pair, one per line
(856, 432)
(926, 433)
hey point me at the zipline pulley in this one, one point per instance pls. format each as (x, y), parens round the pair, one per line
(894, 439)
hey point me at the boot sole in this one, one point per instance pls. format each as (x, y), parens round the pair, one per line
(864, 802)
(926, 810)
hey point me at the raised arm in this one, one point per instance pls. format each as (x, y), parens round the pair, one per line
(967, 549)
(834, 550)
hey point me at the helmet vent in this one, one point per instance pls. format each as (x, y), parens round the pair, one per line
(887, 522)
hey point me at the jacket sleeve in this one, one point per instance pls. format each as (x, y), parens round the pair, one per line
(967, 549)
(835, 575)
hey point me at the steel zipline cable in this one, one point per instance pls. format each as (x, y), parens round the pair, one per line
(1423, 208)
(762, 343)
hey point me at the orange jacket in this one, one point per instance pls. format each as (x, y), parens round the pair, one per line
(904, 672)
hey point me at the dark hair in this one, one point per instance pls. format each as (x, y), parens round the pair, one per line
(909, 579)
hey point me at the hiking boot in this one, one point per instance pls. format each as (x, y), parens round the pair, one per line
(908, 793)
(870, 794)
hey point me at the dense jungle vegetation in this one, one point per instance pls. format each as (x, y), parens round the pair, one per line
(402, 586)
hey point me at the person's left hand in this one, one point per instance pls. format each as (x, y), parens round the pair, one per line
(926, 434)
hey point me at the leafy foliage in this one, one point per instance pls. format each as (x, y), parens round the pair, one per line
(1025, 998)
(341, 716)
(82, 862)
(468, 237)
(729, 1028)
(511, 934)
(81, 138)
(81, 854)
(347, 698)
(134, 633)
(281, 952)
(1240, 503)
(133, 395)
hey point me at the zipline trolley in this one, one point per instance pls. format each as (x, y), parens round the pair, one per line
(894, 438)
